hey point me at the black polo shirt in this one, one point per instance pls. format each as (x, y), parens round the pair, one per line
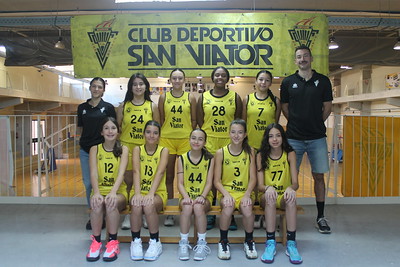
(305, 100)
(90, 119)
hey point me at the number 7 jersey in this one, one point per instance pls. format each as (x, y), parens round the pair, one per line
(278, 174)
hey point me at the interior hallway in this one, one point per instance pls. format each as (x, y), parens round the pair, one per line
(54, 235)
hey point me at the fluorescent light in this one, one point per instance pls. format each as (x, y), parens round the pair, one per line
(2, 49)
(346, 67)
(138, 1)
(332, 43)
(397, 45)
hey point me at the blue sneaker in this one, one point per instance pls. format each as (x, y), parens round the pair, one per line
(291, 251)
(269, 252)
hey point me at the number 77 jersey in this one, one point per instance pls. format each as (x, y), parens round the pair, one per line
(278, 174)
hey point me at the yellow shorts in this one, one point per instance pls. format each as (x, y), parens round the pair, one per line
(163, 195)
(238, 197)
(278, 201)
(105, 190)
(130, 147)
(176, 146)
(209, 197)
(215, 143)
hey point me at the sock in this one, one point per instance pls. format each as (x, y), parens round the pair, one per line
(224, 234)
(154, 236)
(185, 236)
(270, 235)
(97, 238)
(248, 236)
(112, 237)
(202, 236)
(320, 208)
(291, 235)
(135, 235)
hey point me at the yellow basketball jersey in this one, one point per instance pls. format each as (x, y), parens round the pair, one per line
(195, 175)
(107, 170)
(133, 122)
(235, 171)
(260, 114)
(178, 119)
(219, 112)
(148, 169)
(278, 174)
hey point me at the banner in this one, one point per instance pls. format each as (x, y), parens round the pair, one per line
(371, 156)
(119, 45)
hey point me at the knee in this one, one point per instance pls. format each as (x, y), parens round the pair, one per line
(198, 209)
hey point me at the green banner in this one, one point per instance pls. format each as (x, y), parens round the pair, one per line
(154, 44)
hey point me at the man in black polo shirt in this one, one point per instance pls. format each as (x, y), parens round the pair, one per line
(306, 98)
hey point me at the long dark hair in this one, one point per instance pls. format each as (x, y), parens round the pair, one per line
(207, 155)
(117, 149)
(245, 145)
(265, 148)
(269, 92)
(129, 94)
(226, 71)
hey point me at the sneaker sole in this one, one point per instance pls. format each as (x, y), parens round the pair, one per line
(267, 261)
(136, 258)
(107, 259)
(93, 259)
(184, 258)
(292, 261)
(151, 259)
(252, 257)
(198, 259)
(322, 231)
(224, 258)
(125, 228)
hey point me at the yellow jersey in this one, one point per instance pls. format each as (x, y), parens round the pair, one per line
(235, 171)
(278, 174)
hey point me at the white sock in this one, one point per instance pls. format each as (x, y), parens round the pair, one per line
(202, 236)
(185, 236)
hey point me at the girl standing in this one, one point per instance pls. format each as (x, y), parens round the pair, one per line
(235, 179)
(149, 193)
(261, 108)
(132, 115)
(108, 161)
(90, 115)
(195, 178)
(277, 178)
(178, 118)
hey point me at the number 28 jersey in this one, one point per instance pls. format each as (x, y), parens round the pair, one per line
(278, 174)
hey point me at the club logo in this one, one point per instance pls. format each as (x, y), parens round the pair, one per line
(303, 33)
(102, 38)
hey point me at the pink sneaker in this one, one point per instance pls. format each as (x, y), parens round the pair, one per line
(112, 251)
(94, 250)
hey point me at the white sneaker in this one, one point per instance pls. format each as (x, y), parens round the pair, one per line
(154, 250)
(136, 250)
(183, 250)
(250, 250)
(126, 223)
(201, 250)
(223, 251)
(144, 222)
(257, 221)
(169, 220)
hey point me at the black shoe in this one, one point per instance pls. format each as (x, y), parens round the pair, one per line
(210, 222)
(88, 225)
(322, 226)
(233, 226)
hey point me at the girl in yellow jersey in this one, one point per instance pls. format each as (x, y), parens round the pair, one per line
(107, 162)
(195, 178)
(149, 193)
(261, 108)
(277, 178)
(178, 118)
(215, 110)
(132, 115)
(235, 179)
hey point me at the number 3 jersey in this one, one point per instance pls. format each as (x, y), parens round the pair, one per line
(235, 171)
(219, 112)
(178, 119)
(133, 122)
(195, 176)
(278, 174)
(107, 170)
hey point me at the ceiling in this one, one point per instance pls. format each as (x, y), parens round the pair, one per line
(365, 30)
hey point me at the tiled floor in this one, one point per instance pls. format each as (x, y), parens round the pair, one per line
(54, 235)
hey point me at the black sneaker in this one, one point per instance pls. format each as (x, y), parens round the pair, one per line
(233, 226)
(322, 226)
(210, 222)
(88, 225)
